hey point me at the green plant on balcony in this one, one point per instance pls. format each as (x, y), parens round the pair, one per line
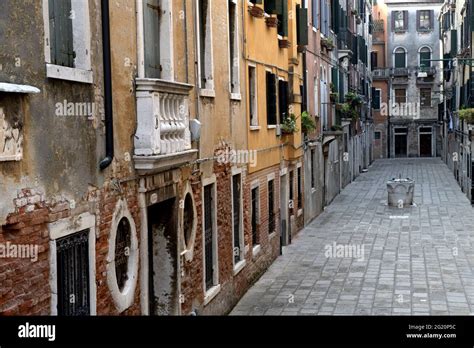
(348, 111)
(288, 125)
(354, 12)
(328, 43)
(467, 115)
(353, 99)
(307, 123)
(336, 127)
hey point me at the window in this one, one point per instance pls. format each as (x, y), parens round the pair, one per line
(234, 48)
(73, 274)
(210, 250)
(377, 135)
(291, 200)
(315, 96)
(373, 60)
(283, 99)
(425, 57)
(151, 24)
(283, 19)
(399, 20)
(237, 218)
(312, 164)
(67, 40)
(300, 188)
(425, 20)
(376, 98)
(271, 206)
(205, 45)
(255, 216)
(301, 25)
(425, 97)
(271, 98)
(315, 13)
(400, 96)
(400, 57)
(253, 96)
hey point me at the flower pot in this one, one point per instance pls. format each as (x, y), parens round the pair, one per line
(284, 43)
(272, 22)
(256, 11)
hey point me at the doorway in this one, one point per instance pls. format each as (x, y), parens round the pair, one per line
(401, 142)
(425, 142)
(163, 258)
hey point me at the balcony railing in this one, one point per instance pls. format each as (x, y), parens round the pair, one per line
(399, 71)
(380, 73)
(429, 70)
(162, 121)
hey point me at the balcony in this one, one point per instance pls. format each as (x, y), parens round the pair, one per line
(163, 137)
(399, 72)
(428, 71)
(380, 73)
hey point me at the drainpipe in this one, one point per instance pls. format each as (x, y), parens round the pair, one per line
(109, 126)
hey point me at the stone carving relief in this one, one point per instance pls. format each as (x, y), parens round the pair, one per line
(11, 139)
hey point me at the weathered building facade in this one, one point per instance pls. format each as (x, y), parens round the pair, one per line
(456, 36)
(415, 77)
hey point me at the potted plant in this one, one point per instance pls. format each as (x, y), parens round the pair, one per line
(354, 12)
(336, 128)
(307, 123)
(467, 115)
(289, 125)
(353, 99)
(333, 97)
(256, 11)
(271, 21)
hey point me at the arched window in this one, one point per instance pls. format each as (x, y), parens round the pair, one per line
(400, 57)
(424, 57)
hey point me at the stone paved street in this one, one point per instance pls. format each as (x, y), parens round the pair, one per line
(417, 260)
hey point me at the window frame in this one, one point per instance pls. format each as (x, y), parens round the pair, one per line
(64, 228)
(235, 93)
(395, 95)
(423, 103)
(210, 293)
(253, 100)
(81, 31)
(209, 89)
(241, 263)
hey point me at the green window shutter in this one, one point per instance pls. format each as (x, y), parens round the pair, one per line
(283, 19)
(335, 78)
(60, 29)
(302, 25)
(400, 60)
(151, 17)
(283, 99)
(425, 59)
(454, 42)
(271, 98)
(273, 6)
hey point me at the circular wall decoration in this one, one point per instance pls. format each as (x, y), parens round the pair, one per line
(122, 259)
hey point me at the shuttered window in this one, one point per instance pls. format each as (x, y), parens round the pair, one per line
(254, 211)
(425, 97)
(301, 25)
(271, 206)
(151, 23)
(400, 95)
(400, 58)
(315, 13)
(283, 99)
(209, 268)
(60, 29)
(273, 6)
(236, 216)
(282, 18)
(376, 96)
(271, 98)
(425, 56)
(424, 20)
(253, 96)
(399, 20)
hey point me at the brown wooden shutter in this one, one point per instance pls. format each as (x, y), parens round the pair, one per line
(60, 27)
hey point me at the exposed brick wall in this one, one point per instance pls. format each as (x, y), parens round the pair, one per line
(26, 288)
